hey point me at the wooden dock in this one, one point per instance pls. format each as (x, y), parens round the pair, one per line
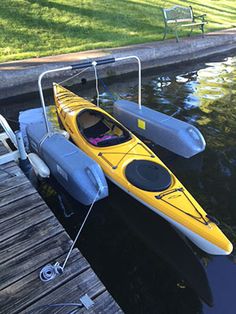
(30, 238)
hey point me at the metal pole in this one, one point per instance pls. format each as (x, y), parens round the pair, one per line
(21, 146)
(23, 161)
(83, 65)
(139, 76)
(41, 93)
(6, 127)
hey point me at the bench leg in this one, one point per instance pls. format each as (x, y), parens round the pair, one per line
(190, 32)
(202, 29)
(176, 35)
(165, 32)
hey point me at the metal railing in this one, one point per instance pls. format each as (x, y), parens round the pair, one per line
(8, 133)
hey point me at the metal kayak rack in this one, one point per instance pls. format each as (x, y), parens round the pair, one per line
(173, 134)
(84, 65)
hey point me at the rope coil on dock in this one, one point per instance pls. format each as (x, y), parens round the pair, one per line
(49, 271)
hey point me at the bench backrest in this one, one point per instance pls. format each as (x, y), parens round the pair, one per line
(178, 14)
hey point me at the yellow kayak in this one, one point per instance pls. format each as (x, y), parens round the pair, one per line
(132, 166)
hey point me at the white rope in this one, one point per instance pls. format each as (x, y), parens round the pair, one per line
(70, 78)
(79, 232)
(49, 272)
(94, 63)
(43, 139)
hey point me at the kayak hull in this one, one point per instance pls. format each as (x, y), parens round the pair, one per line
(201, 242)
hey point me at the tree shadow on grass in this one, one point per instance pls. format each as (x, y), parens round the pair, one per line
(118, 30)
(146, 12)
(201, 7)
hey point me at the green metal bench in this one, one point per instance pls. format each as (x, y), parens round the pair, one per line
(179, 17)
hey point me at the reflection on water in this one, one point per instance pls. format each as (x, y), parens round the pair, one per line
(156, 272)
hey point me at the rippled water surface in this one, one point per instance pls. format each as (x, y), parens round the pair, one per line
(146, 266)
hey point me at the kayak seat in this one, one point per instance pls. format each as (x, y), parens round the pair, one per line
(147, 175)
(96, 130)
(101, 130)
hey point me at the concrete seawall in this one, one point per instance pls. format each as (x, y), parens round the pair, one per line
(20, 77)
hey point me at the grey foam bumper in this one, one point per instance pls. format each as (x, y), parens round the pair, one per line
(173, 134)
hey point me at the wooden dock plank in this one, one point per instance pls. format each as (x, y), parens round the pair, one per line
(25, 263)
(3, 149)
(11, 165)
(29, 238)
(24, 221)
(71, 292)
(13, 183)
(20, 206)
(10, 183)
(8, 172)
(29, 289)
(17, 193)
(104, 303)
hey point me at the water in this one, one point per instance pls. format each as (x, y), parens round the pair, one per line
(144, 263)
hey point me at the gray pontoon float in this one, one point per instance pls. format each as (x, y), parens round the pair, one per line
(173, 134)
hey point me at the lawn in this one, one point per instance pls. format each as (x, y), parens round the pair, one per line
(34, 28)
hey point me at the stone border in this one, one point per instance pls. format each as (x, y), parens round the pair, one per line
(17, 78)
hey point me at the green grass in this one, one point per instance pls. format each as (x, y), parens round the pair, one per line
(35, 28)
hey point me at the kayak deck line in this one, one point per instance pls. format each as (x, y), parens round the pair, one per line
(128, 153)
(201, 218)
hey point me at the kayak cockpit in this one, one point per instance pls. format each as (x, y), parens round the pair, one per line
(100, 130)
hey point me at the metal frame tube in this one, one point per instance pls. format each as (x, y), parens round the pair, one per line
(41, 93)
(139, 77)
(21, 146)
(84, 65)
(6, 127)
